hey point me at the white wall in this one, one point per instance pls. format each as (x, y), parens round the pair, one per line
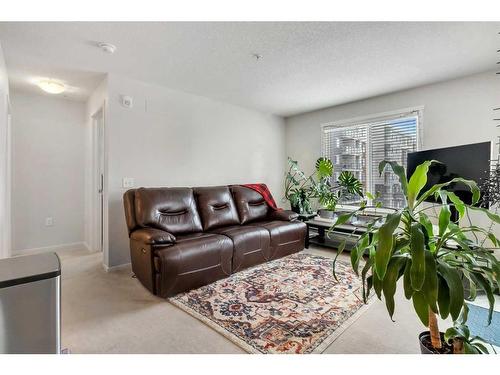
(170, 138)
(48, 171)
(4, 161)
(455, 112)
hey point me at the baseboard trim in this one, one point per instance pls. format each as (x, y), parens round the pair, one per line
(46, 249)
(116, 268)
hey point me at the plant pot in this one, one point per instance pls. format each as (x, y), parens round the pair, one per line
(295, 209)
(326, 214)
(426, 346)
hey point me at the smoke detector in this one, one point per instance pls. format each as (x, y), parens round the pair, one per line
(107, 47)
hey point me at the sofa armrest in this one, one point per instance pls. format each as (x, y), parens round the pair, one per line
(283, 215)
(152, 236)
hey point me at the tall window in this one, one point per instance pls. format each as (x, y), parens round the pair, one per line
(359, 147)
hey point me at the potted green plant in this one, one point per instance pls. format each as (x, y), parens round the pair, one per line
(330, 192)
(463, 342)
(298, 188)
(432, 261)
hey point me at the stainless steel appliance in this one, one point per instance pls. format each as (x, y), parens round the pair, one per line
(30, 313)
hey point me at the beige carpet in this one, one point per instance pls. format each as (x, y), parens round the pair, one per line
(110, 312)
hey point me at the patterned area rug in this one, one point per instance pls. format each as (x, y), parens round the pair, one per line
(289, 305)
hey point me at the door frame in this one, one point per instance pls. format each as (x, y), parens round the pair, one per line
(99, 226)
(5, 203)
(8, 184)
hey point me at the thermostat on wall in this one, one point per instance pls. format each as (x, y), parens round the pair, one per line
(127, 101)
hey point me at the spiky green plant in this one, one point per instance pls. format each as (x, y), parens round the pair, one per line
(432, 261)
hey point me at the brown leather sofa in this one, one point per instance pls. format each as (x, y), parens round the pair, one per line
(183, 238)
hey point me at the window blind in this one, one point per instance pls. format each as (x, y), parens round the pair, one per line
(347, 148)
(360, 147)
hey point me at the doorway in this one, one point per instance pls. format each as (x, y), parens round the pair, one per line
(99, 181)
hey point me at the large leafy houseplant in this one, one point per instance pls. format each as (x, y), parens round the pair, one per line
(431, 261)
(329, 191)
(298, 188)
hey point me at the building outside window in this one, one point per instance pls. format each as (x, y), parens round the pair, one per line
(359, 147)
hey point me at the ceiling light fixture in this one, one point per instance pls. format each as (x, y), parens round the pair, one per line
(51, 86)
(107, 47)
(257, 56)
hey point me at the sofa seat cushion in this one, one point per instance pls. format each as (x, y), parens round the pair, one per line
(251, 245)
(287, 237)
(194, 260)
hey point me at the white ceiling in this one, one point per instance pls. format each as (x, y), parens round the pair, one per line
(305, 65)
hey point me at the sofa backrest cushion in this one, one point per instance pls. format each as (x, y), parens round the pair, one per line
(170, 209)
(250, 205)
(216, 207)
(129, 205)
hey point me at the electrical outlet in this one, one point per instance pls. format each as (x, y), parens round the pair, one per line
(49, 221)
(128, 182)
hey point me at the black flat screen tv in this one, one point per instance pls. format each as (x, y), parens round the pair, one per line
(471, 162)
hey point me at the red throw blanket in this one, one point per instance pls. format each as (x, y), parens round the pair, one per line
(263, 190)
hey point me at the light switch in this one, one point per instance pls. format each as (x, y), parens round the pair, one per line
(128, 182)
